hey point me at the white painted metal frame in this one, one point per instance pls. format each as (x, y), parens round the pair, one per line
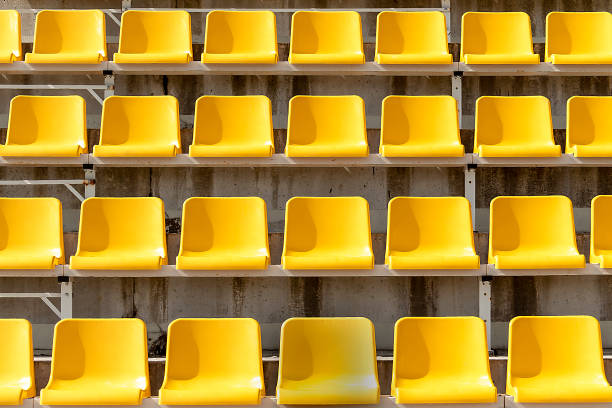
(67, 183)
(565, 160)
(509, 403)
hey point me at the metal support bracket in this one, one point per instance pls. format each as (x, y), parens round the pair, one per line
(42, 296)
(90, 181)
(109, 83)
(484, 304)
(67, 183)
(470, 190)
(456, 93)
(66, 297)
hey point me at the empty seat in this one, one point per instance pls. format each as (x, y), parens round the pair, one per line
(327, 233)
(232, 126)
(69, 37)
(589, 126)
(556, 359)
(242, 37)
(601, 231)
(327, 361)
(213, 362)
(326, 126)
(420, 126)
(533, 233)
(441, 360)
(121, 233)
(430, 233)
(514, 126)
(139, 126)
(31, 235)
(16, 362)
(411, 38)
(46, 126)
(10, 36)
(224, 233)
(326, 37)
(155, 37)
(579, 38)
(497, 38)
(98, 362)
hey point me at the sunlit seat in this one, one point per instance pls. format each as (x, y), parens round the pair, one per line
(16, 362)
(579, 38)
(601, 231)
(10, 36)
(589, 126)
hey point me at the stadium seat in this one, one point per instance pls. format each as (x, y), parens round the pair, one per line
(327, 233)
(224, 233)
(213, 362)
(98, 362)
(31, 233)
(579, 38)
(121, 233)
(139, 126)
(10, 36)
(326, 126)
(430, 233)
(420, 126)
(556, 360)
(16, 362)
(411, 38)
(241, 37)
(601, 231)
(589, 126)
(326, 37)
(497, 38)
(46, 126)
(217, 133)
(533, 233)
(326, 361)
(441, 360)
(514, 126)
(154, 37)
(68, 37)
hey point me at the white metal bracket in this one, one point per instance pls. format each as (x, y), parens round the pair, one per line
(67, 183)
(470, 190)
(42, 296)
(91, 89)
(484, 304)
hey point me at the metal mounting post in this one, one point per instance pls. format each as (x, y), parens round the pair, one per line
(66, 297)
(109, 84)
(90, 181)
(470, 190)
(126, 4)
(456, 93)
(484, 304)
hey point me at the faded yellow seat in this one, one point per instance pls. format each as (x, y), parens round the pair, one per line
(327, 233)
(533, 233)
(240, 37)
(497, 38)
(68, 37)
(556, 360)
(16, 362)
(154, 37)
(589, 126)
(325, 361)
(224, 233)
(213, 362)
(441, 360)
(10, 36)
(601, 231)
(420, 126)
(217, 133)
(139, 126)
(121, 233)
(98, 362)
(411, 38)
(514, 126)
(326, 37)
(326, 126)
(46, 126)
(430, 233)
(579, 38)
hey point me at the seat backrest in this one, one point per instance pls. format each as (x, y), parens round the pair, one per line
(240, 32)
(578, 33)
(588, 120)
(10, 32)
(16, 356)
(325, 32)
(147, 31)
(601, 224)
(70, 31)
(400, 32)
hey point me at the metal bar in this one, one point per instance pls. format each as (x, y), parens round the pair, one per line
(111, 15)
(38, 182)
(51, 306)
(470, 190)
(30, 295)
(51, 86)
(96, 96)
(75, 192)
(90, 185)
(66, 300)
(293, 10)
(457, 93)
(109, 83)
(484, 304)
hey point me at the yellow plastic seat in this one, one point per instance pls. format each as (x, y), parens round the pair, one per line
(213, 362)
(578, 38)
(327, 360)
(139, 126)
(326, 126)
(98, 362)
(46, 126)
(430, 233)
(154, 37)
(10, 36)
(497, 38)
(224, 233)
(327, 233)
(68, 37)
(121, 233)
(589, 126)
(31, 233)
(240, 37)
(16, 362)
(217, 133)
(326, 37)
(556, 359)
(420, 126)
(441, 360)
(601, 231)
(411, 38)
(533, 233)
(514, 126)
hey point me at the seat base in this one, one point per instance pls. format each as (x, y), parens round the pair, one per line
(270, 57)
(503, 59)
(318, 262)
(409, 59)
(432, 150)
(538, 261)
